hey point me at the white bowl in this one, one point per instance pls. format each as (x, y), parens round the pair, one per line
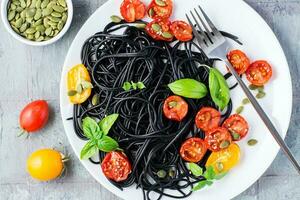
(3, 11)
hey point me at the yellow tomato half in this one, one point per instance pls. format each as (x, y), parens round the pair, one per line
(224, 160)
(77, 74)
(45, 164)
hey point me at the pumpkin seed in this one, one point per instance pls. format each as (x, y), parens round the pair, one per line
(167, 35)
(23, 14)
(160, 3)
(45, 22)
(19, 9)
(41, 38)
(19, 22)
(29, 19)
(220, 166)
(56, 32)
(53, 24)
(115, 19)
(30, 12)
(13, 23)
(23, 3)
(54, 19)
(33, 3)
(17, 3)
(11, 15)
(260, 88)
(44, 4)
(38, 14)
(72, 93)
(56, 14)
(95, 100)
(48, 31)
(40, 28)
(38, 4)
(246, 101)
(30, 30)
(161, 173)
(47, 38)
(51, 4)
(37, 35)
(235, 135)
(86, 84)
(252, 142)
(140, 26)
(260, 95)
(58, 8)
(15, 29)
(60, 25)
(38, 22)
(17, 16)
(62, 3)
(64, 17)
(47, 11)
(224, 144)
(30, 36)
(79, 88)
(239, 110)
(151, 12)
(28, 2)
(252, 87)
(13, 6)
(23, 27)
(156, 27)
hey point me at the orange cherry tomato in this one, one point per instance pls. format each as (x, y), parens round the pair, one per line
(164, 32)
(224, 160)
(193, 150)
(182, 30)
(34, 116)
(175, 108)
(76, 75)
(207, 118)
(116, 166)
(132, 10)
(239, 61)
(45, 164)
(160, 11)
(237, 126)
(259, 72)
(217, 139)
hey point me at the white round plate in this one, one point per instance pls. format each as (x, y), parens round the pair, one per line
(233, 16)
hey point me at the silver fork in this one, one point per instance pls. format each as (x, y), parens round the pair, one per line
(214, 43)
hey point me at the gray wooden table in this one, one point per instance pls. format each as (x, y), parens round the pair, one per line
(28, 73)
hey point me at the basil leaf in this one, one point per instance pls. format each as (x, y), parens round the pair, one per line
(90, 127)
(195, 169)
(220, 175)
(218, 88)
(106, 123)
(126, 86)
(199, 185)
(209, 183)
(107, 144)
(188, 88)
(88, 150)
(140, 85)
(209, 174)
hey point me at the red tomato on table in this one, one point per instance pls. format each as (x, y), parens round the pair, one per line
(193, 150)
(217, 139)
(132, 10)
(238, 60)
(237, 126)
(207, 118)
(175, 108)
(259, 72)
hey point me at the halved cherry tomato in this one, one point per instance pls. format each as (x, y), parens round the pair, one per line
(237, 126)
(182, 30)
(207, 118)
(34, 116)
(239, 61)
(175, 108)
(76, 75)
(217, 139)
(159, 29)
(224, 160)
(259, 72)
(193, 150)
(164, 10)
(116, 166)
(132, 10)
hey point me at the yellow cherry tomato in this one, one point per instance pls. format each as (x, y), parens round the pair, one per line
(76, 75)
(224, 160)
(45, 164)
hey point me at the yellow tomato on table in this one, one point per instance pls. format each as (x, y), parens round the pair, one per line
(224, 160)
(79, 84)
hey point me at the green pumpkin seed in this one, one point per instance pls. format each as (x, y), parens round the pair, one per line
(167, 35)
(151, 12)
(28, 2)
(37, 35)
(56, 14)
(60, 25)
(51, 4)
(160, 3)
(260, 95)
(220, 166)
(17, 16)
(53, 24)
(56, 32)
(40, 28)
(38, 14)
(38, 22)
(41, 38)
(252, 142)
(58, 8)
(156, 27)
(15, 29)
(72, 93)
(23, 3)
(64, 17)
(29, 19)
(95, 100)
(239, 110)
(86, 84)
(19, 9)
(44, 3)
(47, 11)
(79, 88)
(11, 15)
(19, 23)
(33, 3)
(23, 14)
(161, 173)
(38, 4)
(17, 3)
(23, 27)
(260, 88)
(13, 23)
(30, 36)
(30, 30)
(115, 19)
(224, 144)
(30, 12)
(235, 135)
(47, 38)
(45, 22)
(13, 6)
(48, 31)
(62, 3)
(54, 19)
(246, 101)
(252, 87)
(140, 26)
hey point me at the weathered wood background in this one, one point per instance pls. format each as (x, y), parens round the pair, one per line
(28, 73)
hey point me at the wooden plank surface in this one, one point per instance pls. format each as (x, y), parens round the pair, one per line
(34, 72)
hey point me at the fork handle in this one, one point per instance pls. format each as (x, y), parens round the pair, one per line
(264, 117)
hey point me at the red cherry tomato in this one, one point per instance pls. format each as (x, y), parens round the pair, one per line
(164, 10)
(132, 10)
(34, 116)
(207, 118)
(193, 150)
(116, 166)
(237, 126)
(217, 139)
(175, 108)
(259, 72)
(182, 30)
(159, 29)
(239, 61)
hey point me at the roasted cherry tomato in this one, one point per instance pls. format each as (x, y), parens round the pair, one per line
(182, 30)
(207, 118)
(217, 139)
(132, 10)
(159, 29)
(193, 150)
(116, 166)
(76, 75)
(237, 126)
(239, 61)
(175, 108)
(259, 72)
(34, 116)
(163, 9)
(224, 160)
(45, 164)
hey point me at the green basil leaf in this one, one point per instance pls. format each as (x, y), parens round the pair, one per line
(209, 183)
(89, 149)
(209, 174)
(126, 86)
(140, 85)
(107, 144)
(218, 88)
(188, 88)
(220, 175)
(90, 127)
(199, 185)
(106, 123)
(195, 169)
